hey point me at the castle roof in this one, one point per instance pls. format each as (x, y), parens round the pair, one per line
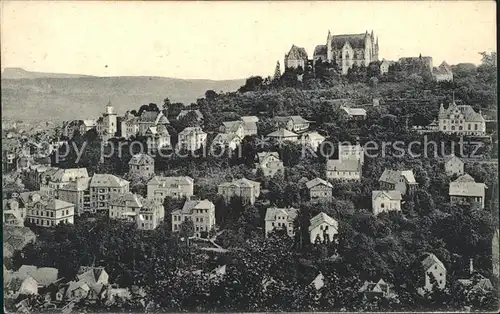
(355, 40)
(297, 53)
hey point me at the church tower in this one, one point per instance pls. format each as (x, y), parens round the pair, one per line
(329, 52)
(109, 120)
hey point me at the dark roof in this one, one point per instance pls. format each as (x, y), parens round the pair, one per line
(296, 53)
(355, 40)
(320, 50)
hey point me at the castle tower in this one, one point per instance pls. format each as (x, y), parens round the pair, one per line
(109, 120)
(375, 58)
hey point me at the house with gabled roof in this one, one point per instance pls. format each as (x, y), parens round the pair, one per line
(379, 289)
(160, 187)
(141, 165)
(295, 124)
(200, 212)
(296, 57)
(46, 211)
(443, 73)
(280, 218)
(270, 163)
(453, 166)
(148, 119)
(466, 191)
(247, 190)
(231, 140)
(282, 135)
(461, 120)
(430, 267)
(400, 180)
(192, 138)
(312, 139)
(157, 138)
(197, 113)
(54, 178)
(319, 190)
(354, 113)
(344, 170)
(323, 227)
(385, 201)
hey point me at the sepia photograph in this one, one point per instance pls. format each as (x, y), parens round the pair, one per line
(249, 156)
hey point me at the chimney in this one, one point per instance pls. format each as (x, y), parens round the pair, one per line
(471, 266)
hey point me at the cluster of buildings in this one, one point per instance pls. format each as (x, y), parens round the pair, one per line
(347, 50)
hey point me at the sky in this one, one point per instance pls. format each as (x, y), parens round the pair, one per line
(229, 40)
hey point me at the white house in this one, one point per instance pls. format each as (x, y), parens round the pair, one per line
(231, 140)
(466, 191)
(201, 213)
(270, 163)
(312, 139)
(345, 170)
(175, 187)
(430, 265)
(351, 152)
(282, 135)
(319, 190)
(400, 180)
(354, 113)
(461, 120)
(385, 201)
(192, 138)
(453, 166)
(280, 218)
(323, 227)
(157, 138)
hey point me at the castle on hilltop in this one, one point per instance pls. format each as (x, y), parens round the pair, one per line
(344, 50)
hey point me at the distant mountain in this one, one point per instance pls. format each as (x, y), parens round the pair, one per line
(19, 73)
(41, 97)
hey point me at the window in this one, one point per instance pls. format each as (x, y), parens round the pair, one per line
(444, 127)
(452, 127)
(382, 205)
(435, 267)
(440, 274)
(460, 128)
(475, 126)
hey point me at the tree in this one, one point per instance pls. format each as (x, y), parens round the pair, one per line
(277, 72)
(210, 95)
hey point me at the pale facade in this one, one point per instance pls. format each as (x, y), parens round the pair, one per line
(430, 265)
(283, 135)
(319, 190)
(461, 120)
(270, 163)
(131, 207)
(54, 179)
(312, 139)
(201, 213)
(351, 152)
(323, 227)
(77, 193)
(101, 187)
(453, 166)
(349, 50)
(344, 170)
(384, 66)
(296, 57)
(295, 124)
(175, 187)
(466, 191)
(280, 218)
(400, 180)
(141, 165)
(107, 125)
(48, 211)
(385, 201)
(247, 190)
(192, 138)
